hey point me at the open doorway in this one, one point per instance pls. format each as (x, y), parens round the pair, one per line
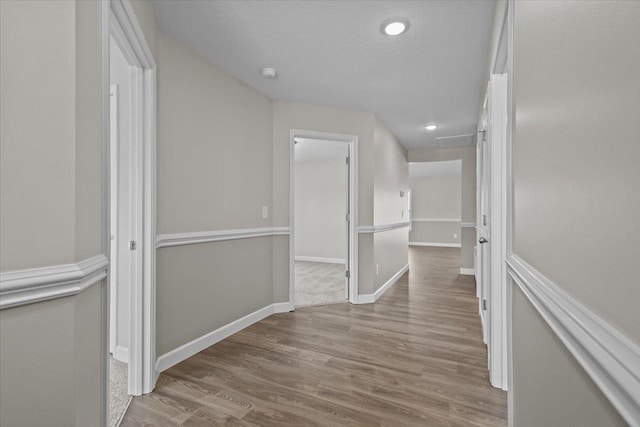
(122, 222)
(321, 222)
(323, 218)
(436, 203)
(128, 88)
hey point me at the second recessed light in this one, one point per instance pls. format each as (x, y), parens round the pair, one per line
(431, 127)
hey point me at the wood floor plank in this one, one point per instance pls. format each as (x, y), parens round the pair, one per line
(414, 358)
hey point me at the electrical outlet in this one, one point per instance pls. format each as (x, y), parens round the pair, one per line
(455, 236)
(265, 212)
(377, 269)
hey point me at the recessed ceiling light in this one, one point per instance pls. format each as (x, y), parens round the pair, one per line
(395, 26)
(431, 127)
(269, 73)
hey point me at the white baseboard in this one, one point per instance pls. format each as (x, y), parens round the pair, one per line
(436, 245)
(121, 354)
(468, 271)
(319, 259)
(371, 298)
(187, 350)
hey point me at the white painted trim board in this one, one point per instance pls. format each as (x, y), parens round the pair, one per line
(320, 259)
(383, 227)
(436, 244)
(371, 298)
(187, 350)
(467, 271)
(191, 238)
(436, 220)
(33, 285)
(611, 359)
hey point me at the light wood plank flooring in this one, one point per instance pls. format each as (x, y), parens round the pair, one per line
(414, 358)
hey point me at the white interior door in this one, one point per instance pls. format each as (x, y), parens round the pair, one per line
(491, 228)
(484, 226)
(348, 227)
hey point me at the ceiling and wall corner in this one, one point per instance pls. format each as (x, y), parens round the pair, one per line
(334, 54)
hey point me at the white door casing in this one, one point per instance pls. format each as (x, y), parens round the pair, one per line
(352, 225)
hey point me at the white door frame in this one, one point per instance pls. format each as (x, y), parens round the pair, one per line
(352, 142)
(498, 121)
(113, 218)
(497, 133)
(119, 21)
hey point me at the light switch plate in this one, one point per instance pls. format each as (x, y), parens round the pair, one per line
(265, 212)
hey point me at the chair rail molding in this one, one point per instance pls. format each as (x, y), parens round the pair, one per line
(436, 244)
(380, 228)
(436, 219)
(33, 285)
(611, 359)
(180, 239)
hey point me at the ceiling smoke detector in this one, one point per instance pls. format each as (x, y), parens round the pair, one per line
(269, 73)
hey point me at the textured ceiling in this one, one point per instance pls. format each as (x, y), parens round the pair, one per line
(333, 53)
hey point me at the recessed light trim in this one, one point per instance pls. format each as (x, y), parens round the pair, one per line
(395, 26)
(431, 127)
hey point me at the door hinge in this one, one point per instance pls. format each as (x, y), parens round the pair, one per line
(347, 159)
(133, 245)
(484, 304)
(347, 274)
(484, 220)
(348, 217)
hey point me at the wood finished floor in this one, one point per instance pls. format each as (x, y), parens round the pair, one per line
(414, 358)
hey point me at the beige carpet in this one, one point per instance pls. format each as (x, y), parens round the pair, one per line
(118, 397)
(319, 283)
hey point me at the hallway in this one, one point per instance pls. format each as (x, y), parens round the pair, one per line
(415, 357)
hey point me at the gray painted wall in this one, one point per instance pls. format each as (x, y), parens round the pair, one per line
(321, 206)
(214, 173)
(576, 198)
(468, 191)
(50, 208)
(437, 197)
(390, 177)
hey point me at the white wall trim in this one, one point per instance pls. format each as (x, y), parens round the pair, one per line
(611, 359)
(371, 298)
(121, 354)
(122, 23)
(40, 284)
(468, 224)
(436, 244)
(436, 219)
(187, 350)
(468, 271)
(179, 239)
(383, 227)
(319, 259)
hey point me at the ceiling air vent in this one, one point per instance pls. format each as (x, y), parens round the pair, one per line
(456, 141)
